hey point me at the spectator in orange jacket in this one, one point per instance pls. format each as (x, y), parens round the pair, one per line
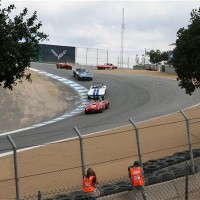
(90, 184)
(137, 179)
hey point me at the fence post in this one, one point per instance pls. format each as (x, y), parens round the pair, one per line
(118, 61)
(86, 55)
(128, 62)
(75, 55)
(107, 55)
(15, 166)
(189, 140)
(81, 149)
(97, 57)
(186, 182)
(39, 195)
(138, 141)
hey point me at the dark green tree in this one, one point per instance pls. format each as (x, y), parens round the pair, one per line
(19, 45)
(164, 56)
(187, 54)
(156, 56)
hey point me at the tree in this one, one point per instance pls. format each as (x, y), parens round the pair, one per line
(164, 56)
(157, 56)
(19, 39)
(187, 54)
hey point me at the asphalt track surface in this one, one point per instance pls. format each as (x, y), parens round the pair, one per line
(131, 96)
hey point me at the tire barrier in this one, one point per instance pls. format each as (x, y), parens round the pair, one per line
(196, 153)
(152, 179)
(171, 161)
(162, 164)
(186, 154)
(150, 168)
(76, 195)
(122, 186)
(166, 176)
(181, 158)
(108, 189)
(151, 162)
(179, 172)
(62, 197)
(83, 196)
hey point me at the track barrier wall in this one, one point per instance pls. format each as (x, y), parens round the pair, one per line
(165, 145)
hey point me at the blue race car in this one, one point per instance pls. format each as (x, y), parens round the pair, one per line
(83, 74)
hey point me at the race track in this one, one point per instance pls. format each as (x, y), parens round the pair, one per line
(130, 96)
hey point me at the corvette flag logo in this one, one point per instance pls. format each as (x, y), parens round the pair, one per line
(59, 55)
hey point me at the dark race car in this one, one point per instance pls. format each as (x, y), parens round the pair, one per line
(64, 66)
(83, 74)
(106, 66)
(97, 106)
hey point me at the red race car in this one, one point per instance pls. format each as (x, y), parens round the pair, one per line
(106, 66)
(64, 66)
(97, 106)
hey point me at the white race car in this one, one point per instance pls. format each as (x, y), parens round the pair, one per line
(96, 91)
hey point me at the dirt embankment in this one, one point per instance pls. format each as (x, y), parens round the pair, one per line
(31, 103)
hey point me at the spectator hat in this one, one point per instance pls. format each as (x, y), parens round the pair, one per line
(136, 163)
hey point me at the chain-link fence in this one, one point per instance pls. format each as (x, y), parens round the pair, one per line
(94, 57)
(168, 148)
(90, 56)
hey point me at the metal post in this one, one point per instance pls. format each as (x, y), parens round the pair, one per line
(39, 195)
(186, 182)
(97, 56)
(189, 141)
(75, 55)
(138, 141)
(107, 55)
(81, 148)
(128, 62)
(86, 55)
(15, 166)
(118, 64)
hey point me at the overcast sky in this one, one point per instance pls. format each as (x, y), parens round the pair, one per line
(97, 24)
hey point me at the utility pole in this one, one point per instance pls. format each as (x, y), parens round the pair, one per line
(122, 40)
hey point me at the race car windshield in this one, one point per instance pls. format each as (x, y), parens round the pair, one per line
(97, 85)
(84, 70)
